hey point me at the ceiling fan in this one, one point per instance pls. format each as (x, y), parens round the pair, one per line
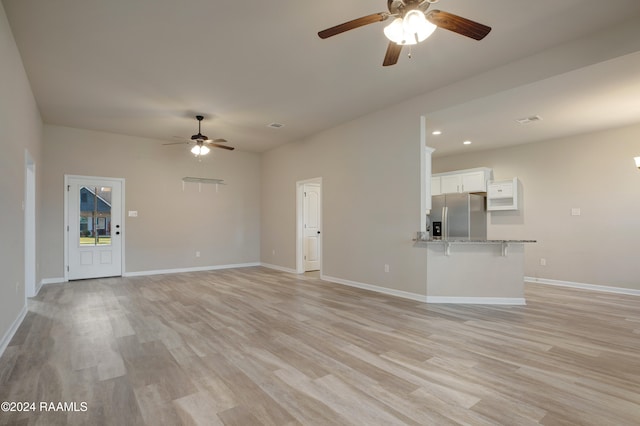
(412, 24)
(202, 142)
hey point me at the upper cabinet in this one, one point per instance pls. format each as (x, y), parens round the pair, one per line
(471, 180)
(450, 183)
(475, 181)
(435, 185)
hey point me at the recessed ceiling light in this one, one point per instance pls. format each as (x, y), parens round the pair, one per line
(436, 132)
(275, 125)
(466, 143)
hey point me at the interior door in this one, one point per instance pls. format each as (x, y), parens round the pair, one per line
(95, 229)
(311, 225)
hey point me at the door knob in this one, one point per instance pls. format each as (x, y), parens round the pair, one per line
(318, 232)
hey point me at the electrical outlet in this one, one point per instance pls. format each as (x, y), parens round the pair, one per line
(197, 254)
(543, 261)
(386, 268)
(273, 252)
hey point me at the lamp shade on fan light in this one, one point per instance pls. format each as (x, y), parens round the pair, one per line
(200, 150)
(411, 29)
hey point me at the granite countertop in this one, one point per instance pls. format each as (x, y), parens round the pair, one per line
(470, 241)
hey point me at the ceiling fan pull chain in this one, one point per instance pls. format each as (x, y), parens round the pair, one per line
(409, 54)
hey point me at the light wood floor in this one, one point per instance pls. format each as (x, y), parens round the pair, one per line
(255, 346)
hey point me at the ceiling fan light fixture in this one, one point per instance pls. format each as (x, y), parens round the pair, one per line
(413, 21)
(426, 30)
(412, 29)
(199, 149)
(395, 31)
(417, 27)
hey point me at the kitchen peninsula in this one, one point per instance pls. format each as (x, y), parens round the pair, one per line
(463, 266)
(474, 271)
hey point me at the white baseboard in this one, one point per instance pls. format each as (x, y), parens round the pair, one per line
(166, 271)
(377, 289)
(477, 300)
(12, 330)
(46, 281)
(582, 286)
(279, 268)
(38, 288)
(184, 270)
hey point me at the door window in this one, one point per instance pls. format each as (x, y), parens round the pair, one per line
(95, 216)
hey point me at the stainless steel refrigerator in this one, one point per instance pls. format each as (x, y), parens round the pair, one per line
(461, 216)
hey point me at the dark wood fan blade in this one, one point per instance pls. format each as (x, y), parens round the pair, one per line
(177, 143)
(458, 24)
(392, 55)
(220, 140)
(356, 23)
(230, 148)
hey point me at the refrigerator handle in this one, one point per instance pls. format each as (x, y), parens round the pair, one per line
(445, 222)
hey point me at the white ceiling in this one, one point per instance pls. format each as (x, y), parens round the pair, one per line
(600, 96)
(147, 67)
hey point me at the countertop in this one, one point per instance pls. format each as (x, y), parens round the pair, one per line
(472, 241)
(422, 239)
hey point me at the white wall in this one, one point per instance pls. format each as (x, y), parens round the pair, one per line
(20, 129)
(370, 171)
(594, 172)
(172, 223)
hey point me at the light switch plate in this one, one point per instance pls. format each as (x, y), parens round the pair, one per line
(575, 211)
(133, 213)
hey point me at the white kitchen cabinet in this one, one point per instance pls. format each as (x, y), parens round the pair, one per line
(474, 182)
(502, 195)
(435, 185)
(471, 180)
(450, 184)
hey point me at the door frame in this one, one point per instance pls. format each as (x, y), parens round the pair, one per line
(300, 223)
(123, 234)
(30, 268)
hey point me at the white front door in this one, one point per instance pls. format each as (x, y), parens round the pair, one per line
(311, 226)
(94, 227)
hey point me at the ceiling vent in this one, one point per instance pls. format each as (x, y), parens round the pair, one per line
(529, 120)
(275, 125)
